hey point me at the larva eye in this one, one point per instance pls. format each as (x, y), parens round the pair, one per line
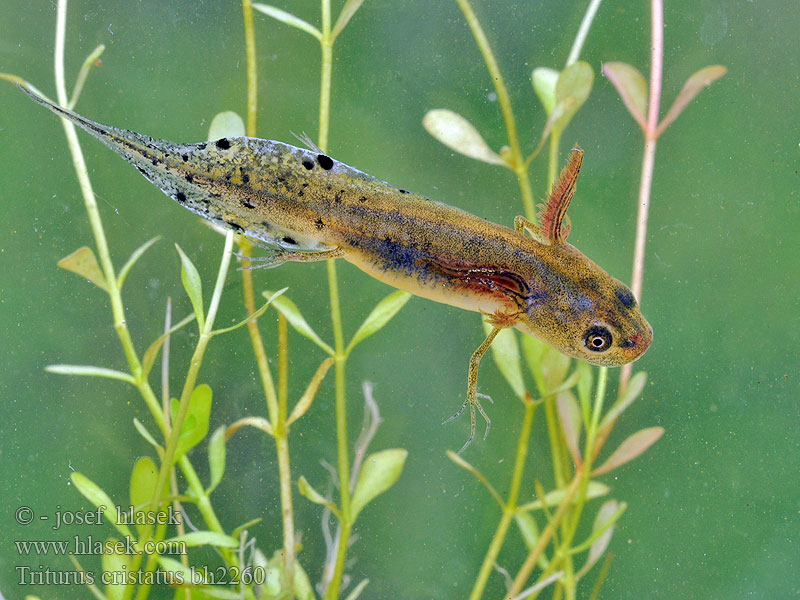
(598, 339)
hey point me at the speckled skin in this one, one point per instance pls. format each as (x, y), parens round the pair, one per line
(299, 200)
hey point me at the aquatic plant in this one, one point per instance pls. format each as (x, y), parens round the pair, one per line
(573, 396)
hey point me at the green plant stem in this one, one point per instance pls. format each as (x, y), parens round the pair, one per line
(340, 357)
(276, 404)
(518, 163)
(534, 555)
(510, 507)
(252, 70)
(583, 31)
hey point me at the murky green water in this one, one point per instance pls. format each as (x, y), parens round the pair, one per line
(712, 507)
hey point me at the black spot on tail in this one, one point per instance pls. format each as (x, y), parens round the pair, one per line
(247, 204)
(223, 144)
(245, 178)
(308, 164)
(189, 178)
(235, 226)
(185, 157)
(180, 197)
(289, 240)
(326, 162)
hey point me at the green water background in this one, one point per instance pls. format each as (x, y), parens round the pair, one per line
(713, 507)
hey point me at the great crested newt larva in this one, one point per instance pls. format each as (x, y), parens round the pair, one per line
(307, 206)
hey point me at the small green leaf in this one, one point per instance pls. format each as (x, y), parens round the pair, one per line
(91, 60)
(193, 286)
(458, 134)
(289, 310)
(92, 492)
(595, 489)
(302, 587)
(544, 81)
(307, 490)
(528, 529)
(146, 435)
(114, 562)
(195, 425)
(379, 472)
(632, 88)
(572, 89)
(632, 447)
(307, 398)
(90, 371)
(379, 317)
(238, 531)
(177, 569)
(224, 125)
(505, 352)
(84, 263)
(206, 538)
(216, 457)
(289, 19)
(570, 416)
(144, 479)
(255, 315)
(693, 86)
(602, 522)
(150, 355)
(584, 390)
(136, 255)
(348, 10)
(554, 366)
(632, 392)
(357, 590)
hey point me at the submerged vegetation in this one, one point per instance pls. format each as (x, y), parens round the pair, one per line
(579, 411)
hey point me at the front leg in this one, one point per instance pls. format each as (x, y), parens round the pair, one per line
(472, 389)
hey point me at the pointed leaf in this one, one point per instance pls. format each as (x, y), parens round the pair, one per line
(307, 398)
(544, 84)
(570, 416)
(236, 533)
(150, 355)
(216, 457)
(601, 521)
(114, 562)
(193, 286)
(92, 492)
(249, 318)
(195, 425)
(632, 447)
(379, 317)
(357, 590)
(456, 458)
(136, 255)
(693, 86)
(146, 435)
(595, 489)
(289, 310)
(632, 392)
(348, 10)
(458, 134)
(528, 529)
(380, 471)
(554, 366)
(225, 124)
(505, 352)
(288, 19)
(91, 60)
(572, 89)
(144, 479)
(309, 492)
(84, 263)
(631, 86)
(178, 570)
(206, 538)
(88, 370)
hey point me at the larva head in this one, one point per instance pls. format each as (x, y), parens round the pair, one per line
(587, 313)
